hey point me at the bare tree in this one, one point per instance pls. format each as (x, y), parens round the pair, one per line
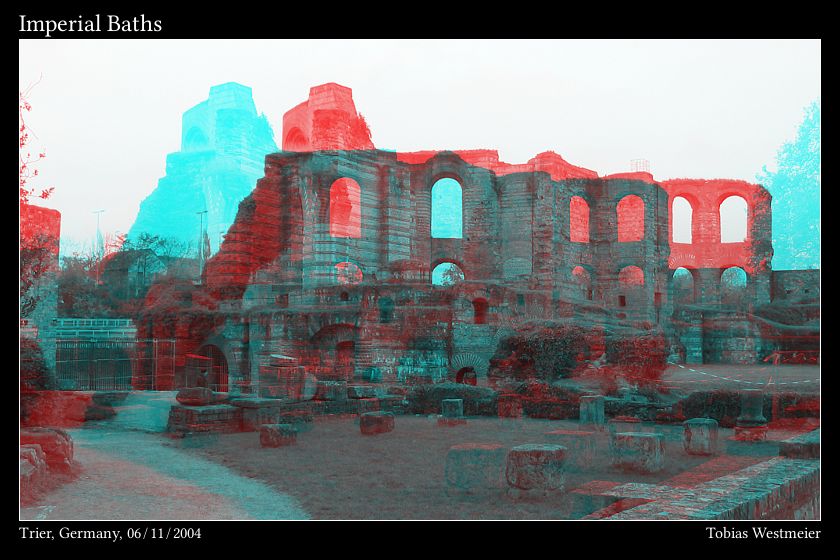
(27, 162)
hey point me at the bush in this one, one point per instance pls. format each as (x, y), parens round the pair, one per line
(641, 356)
(478, 401)
(33, 370)
(547, 354)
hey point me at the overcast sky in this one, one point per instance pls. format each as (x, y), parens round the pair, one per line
(108, 111)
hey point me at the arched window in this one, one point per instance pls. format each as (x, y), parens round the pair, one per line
(631, 219)
(348, 273)
(583, 280)
(447, 209)
(631, 276)
(681, 224)
(733, 220)
(295, 141)
(447, 274)
(345, 209)
(578, 220)
(733, 285)
(683, 286)
(480, 311)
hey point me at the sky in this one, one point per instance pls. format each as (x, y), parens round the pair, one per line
(108, 111)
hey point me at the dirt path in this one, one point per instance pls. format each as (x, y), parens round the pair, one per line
(134, 475)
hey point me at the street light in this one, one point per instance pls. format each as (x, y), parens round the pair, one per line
(99, 244)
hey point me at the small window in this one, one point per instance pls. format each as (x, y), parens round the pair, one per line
(622, 301)
(480, 311)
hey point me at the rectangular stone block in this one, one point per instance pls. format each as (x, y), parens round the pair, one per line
(331, 391)
(580, 446)
(700, 436)
(277, 435)
(592, 411)
(510, 406)
(452, 408)
(361, 391)
(638, 451)
(372, 423)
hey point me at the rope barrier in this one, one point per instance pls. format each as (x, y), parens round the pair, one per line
(744, 380)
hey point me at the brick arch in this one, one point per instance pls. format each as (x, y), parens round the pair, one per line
(326, 325)
(694, 205)
(322, 187)
(580, 212)
(630, 218)
(224, 346)
(631, 276)
(295, 141)
(456, 261)
(747, 218)
(469, 359)
(344, 209)
(447, 222)
(681, 295)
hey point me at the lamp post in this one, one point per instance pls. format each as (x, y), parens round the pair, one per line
(201, 244)
(98, 245)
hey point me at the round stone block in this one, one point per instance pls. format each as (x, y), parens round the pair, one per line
(475, 467)
(536, 466)
(700, 436)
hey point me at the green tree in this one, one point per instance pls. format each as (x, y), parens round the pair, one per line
(795, 186)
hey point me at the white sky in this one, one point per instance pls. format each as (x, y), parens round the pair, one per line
(108, 111)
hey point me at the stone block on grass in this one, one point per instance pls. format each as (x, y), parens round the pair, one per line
(452, 408)
(700, 436)
(642, 452)
(592, 411)
(277, 435)
(580, 446)
(536, 467)
(475, 467)
(372, 423)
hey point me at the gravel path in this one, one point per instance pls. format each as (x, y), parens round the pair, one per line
(136, 476)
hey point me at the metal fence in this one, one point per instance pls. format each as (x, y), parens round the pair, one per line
(112, 365)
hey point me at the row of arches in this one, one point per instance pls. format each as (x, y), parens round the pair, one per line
(444, 274)
(345, 210)
(733, 285)
(345, 215)
(732, 212)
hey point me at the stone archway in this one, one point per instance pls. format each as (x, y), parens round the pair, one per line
(208, 366)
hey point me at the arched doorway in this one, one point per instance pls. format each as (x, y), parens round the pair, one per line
(480, 307)
(333, 349)
(466, 376)
(213, 368)
(683, 287)
(733, 286)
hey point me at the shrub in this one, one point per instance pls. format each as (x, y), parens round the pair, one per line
(478, 401)
(641, 356)
(547, 354)
(33, 370)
